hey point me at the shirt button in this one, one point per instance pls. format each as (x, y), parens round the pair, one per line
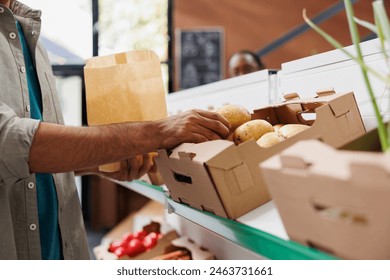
(12, 35)
(33, 32)
(30, 185)
(28, 108)
(22, 69)
(1, 10)
(33, 227)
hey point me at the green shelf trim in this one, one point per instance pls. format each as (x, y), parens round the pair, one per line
(253, 239)
(157, 188)
(270, 246)
(256, 240)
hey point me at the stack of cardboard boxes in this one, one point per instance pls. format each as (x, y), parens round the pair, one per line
(334, 200)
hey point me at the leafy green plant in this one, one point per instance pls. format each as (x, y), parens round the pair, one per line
(382, 28)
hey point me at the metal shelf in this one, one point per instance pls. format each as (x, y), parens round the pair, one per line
(249, 236)
(153, 192)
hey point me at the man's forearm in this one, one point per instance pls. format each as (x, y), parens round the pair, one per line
(58, 148)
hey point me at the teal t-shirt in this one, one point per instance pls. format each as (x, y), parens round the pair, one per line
(46, 191)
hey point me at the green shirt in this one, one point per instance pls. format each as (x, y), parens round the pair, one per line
(46, 192)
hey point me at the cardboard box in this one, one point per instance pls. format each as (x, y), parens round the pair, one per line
(224, 179)
(333, 200)
(184, 243)
(151, 212)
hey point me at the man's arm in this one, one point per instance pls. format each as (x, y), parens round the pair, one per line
(58, 148)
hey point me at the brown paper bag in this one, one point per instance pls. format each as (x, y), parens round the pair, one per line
(124, 87)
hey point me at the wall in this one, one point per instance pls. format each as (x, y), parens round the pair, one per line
(252, 24)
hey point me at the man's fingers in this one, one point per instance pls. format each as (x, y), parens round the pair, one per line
(134, 166)
(214, 116)
(153, 168)
(209, 134)
(147, 164)
(214, 126)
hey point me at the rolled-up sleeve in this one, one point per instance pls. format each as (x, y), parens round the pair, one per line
(16, 136)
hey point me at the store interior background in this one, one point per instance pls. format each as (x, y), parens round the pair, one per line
(75, 30)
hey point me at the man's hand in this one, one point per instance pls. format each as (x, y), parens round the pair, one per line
(130, 169)
(193, 126)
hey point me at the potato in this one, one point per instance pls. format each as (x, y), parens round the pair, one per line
(269, 139)
(289, 130)
(278, 126)
(253, 129)
(235, 114)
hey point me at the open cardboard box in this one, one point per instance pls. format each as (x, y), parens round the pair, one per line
(169, 243)
(334, 200)
(152, 211)
(101, 252)
(224, 179)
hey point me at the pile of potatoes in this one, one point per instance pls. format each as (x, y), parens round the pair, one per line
(266, 135)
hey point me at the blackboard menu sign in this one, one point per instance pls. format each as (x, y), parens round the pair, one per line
(200, 56)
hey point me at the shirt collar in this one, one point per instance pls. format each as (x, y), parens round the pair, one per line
(23, 10)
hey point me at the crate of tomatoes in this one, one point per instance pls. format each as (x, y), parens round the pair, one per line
(140, 245)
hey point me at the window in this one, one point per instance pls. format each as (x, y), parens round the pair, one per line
(66, 29)
(126, 25)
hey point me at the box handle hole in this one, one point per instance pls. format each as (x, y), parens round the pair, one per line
(336, 213)
(182, 178)
(307, 117)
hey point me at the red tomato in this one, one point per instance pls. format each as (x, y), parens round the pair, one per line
(150, 240)
(116, 244)
(135, 248)
(128, 236)
(120, 251)
(139, 234)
